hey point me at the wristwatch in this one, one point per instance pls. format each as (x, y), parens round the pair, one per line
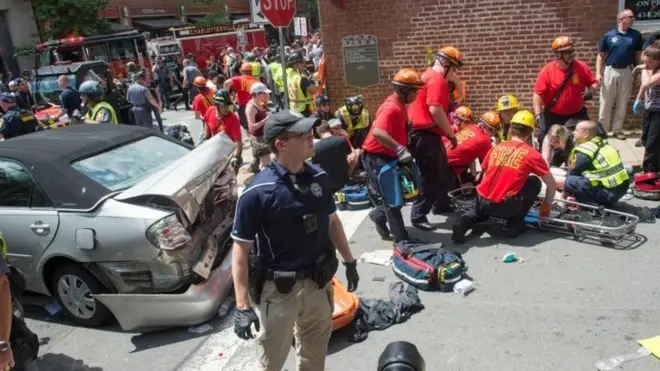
(4, 345)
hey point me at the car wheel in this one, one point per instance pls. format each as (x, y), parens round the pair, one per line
(75, 287)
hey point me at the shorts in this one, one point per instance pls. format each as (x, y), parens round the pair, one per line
(259, 147)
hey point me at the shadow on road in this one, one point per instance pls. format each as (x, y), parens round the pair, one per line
(62, 362)
(339, 340)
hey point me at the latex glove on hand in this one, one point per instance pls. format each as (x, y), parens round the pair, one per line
(544, 210)
(637, 107)
(243, 323)
(404, 155)
(352, 277)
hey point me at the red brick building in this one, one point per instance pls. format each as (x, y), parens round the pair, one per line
(505, 42)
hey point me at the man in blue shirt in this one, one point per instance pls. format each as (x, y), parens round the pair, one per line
(69, 97)
(285, 233)
(619, 51)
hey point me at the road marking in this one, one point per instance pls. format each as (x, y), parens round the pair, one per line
(224, 350)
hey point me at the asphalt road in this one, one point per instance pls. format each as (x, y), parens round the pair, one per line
(568, 305)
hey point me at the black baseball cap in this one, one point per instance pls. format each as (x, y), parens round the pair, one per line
(286, 121)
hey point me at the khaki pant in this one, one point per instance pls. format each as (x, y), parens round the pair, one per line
(615, 92)
(307, 308)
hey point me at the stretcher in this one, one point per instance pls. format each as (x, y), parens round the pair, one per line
(346, 305)
(581, 221)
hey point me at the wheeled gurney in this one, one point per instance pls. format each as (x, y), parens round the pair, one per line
(582, 221)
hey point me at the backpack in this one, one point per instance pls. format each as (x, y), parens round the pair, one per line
(428, 267)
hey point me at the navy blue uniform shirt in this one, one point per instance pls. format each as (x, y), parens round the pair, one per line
(17, 122)
(270, 213)
(620, 48)
(70, 99)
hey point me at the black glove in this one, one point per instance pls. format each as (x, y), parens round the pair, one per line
(540, 123)
(352, 276)
(243, 323)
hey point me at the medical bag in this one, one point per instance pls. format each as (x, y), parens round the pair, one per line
(356, 196)
(399, 183)
(647, 186)
(428, 267)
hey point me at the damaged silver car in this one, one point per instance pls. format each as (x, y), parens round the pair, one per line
(120, 221)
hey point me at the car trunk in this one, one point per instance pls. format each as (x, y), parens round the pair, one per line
(201, 189)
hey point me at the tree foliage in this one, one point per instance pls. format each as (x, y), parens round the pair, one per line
(63, 18)
(221, 17)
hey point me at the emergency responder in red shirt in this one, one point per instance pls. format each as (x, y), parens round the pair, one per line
(429, 117)
(204, 100)
(561, 88)
(460, 118)
(219, 119)
(474, 142)
(508, 190)
(241, 85)
(385, 142)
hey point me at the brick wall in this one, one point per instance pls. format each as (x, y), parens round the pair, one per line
(505, 42)
(160, 3)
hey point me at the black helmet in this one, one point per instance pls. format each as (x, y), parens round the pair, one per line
(222, 97)
(295, 58)
(354, 105)
(250, 57)
(92, 89)
(322, 99)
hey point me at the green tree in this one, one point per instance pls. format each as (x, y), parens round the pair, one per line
(221, 17)
(62, 18)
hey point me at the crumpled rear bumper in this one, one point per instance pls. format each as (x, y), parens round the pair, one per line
(143, 312)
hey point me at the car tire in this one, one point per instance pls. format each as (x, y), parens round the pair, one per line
(77, 304)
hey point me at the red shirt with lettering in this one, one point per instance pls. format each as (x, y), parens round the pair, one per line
(570, 100)
(435, 92)
(506, 169)
(229, 124)
(241, 85)
(473, 143)
(392, 118)
(202, 102)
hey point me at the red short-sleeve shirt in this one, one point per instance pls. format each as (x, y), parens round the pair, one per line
(570, 101)
(228, 124)
(506, 169)
(392, 118)
(202, 102)
(241, 85)
(435, 92)
(473, 143)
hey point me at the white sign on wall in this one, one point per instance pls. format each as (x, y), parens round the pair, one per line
(300, 26)
(255, 10)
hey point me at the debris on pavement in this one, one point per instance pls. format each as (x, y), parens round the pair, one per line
(614, 362)
(376, 314)
(464, 287)
(378, 257)
(378, 279)
(53, 308)
(510, 258)
(200, 329)
(652, 344)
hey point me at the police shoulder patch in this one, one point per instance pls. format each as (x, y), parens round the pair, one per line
(316, 190)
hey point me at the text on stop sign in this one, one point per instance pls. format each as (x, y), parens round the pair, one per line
(276, 4)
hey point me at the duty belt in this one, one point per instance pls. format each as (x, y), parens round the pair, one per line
(300, 275)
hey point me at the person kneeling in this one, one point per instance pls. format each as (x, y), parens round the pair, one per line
(597, 174)
(508, 190)
(333, 153)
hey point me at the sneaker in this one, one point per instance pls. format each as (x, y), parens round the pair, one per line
(620, 136)
(639, 143)
(423, 225)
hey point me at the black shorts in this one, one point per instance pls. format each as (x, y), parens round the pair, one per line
(242, 117)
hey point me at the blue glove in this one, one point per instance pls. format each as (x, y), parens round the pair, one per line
(637, 107)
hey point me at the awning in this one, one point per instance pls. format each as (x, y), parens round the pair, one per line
(118, 27)
(158, 24)
(196, 18)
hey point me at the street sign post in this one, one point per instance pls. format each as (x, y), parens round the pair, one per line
(280, 13)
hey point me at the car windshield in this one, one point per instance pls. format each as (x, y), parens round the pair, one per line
(47, 90)
(125, 166)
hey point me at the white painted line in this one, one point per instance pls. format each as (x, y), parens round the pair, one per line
(237, 354)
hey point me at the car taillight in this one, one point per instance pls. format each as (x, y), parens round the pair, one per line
(168, 233)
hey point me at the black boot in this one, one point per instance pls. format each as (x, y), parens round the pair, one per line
(423, 224)
(380, 220)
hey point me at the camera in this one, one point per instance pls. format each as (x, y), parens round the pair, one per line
(401, 356)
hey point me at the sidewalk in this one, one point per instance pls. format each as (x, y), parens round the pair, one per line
(631, 155)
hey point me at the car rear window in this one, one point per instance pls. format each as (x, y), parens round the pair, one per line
(123, 167)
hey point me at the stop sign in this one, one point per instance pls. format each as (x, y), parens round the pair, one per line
(278, 12)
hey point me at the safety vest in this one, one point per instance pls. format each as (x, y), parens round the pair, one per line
(256, 69)
(3, 244)
(91, 114)
(297, 98)
(609, 170)
(277, 74)
(363, 120)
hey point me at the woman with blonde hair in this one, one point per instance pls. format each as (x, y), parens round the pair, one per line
(557, 146)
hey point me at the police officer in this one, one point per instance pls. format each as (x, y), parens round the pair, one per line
(596, 174)
(140, 98)
(508, 189)
(100, 112)
(355, 120)
(287, 219)
(16, 121)
(386, 142)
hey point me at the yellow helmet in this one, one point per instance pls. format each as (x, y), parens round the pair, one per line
(525, 118)
(506, 102)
